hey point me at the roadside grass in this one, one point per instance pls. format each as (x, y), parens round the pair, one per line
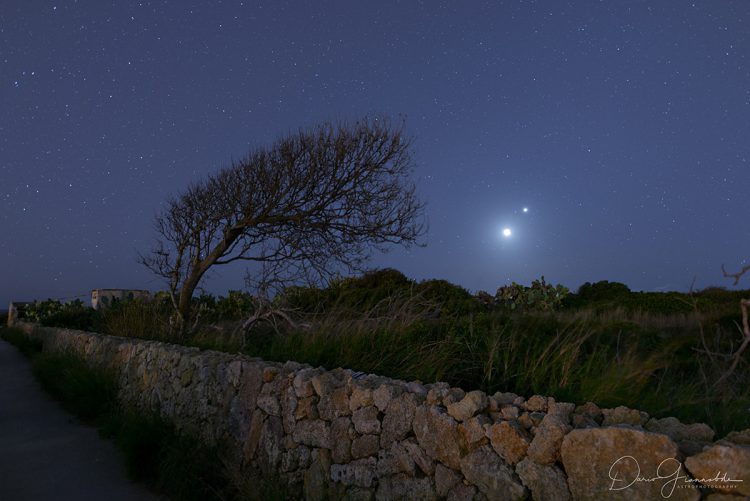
(89, 393)
(17, 338)
(154, 452)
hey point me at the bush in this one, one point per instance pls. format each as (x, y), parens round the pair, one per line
(602, 290)
(235, 306)
(72, 315)
(449, 298)
(541, 296)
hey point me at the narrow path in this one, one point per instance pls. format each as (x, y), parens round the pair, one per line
(46, 453)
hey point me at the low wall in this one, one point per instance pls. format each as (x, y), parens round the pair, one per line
(342, 434)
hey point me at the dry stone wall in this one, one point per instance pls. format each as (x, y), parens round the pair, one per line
(340, 434)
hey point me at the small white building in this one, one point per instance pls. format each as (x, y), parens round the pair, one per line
(102, 298)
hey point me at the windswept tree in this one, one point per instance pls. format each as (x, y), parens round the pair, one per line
(736, 355)
(313, 203)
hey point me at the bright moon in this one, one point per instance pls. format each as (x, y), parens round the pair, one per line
(526, 209)
(506, 232)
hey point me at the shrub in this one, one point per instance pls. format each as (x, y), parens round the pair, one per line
(137, 318)
(72, 315)
(602, 290)
(235, 306)
(541, 296)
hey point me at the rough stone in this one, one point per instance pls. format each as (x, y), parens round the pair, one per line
(384, 394)
(525, 420)
(324, 383)
(253, 434)
(591, 410)
(473, 431)
(416, 388)
(360, 472)
(462, 492)
(404, 487)
(491, 475)
(302, 383)
(624, 415)
(603, 463)
(250, 386)
(673, 428)
(269, 374)
(295, 459)
(690, 447)
(445, 479)
(730, 461)
(361, 397)
(364, 446)
(334, 404)
(562, 409)
(271, 445)
(436, 393)
(509, 412)
(536, 403)
(306, 408)
(452, 396)
(545, 448)
(366, 420)
(312, 432)
(437, 433)
(509, 440)
(544, 482)
(342, 433)
(395, 459)
(739, 437)
(315, 482)
(398, 418)
(505, 397)
(472, 403)
(419, 456)
(288, 409)
(583, 421)
(358, 494)
(268, 400)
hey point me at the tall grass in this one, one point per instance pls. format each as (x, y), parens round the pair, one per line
(643, 361)
(139, 319)
(87, 392)
(20, 340)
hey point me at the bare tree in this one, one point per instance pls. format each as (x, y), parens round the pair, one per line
(736, 356)
(312, 203)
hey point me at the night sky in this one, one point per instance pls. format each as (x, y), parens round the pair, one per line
(623, 127)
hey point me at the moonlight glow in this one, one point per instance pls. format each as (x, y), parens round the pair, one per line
(507, 232)
(526, 209)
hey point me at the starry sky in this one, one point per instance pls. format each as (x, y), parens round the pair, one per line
(623, 127)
